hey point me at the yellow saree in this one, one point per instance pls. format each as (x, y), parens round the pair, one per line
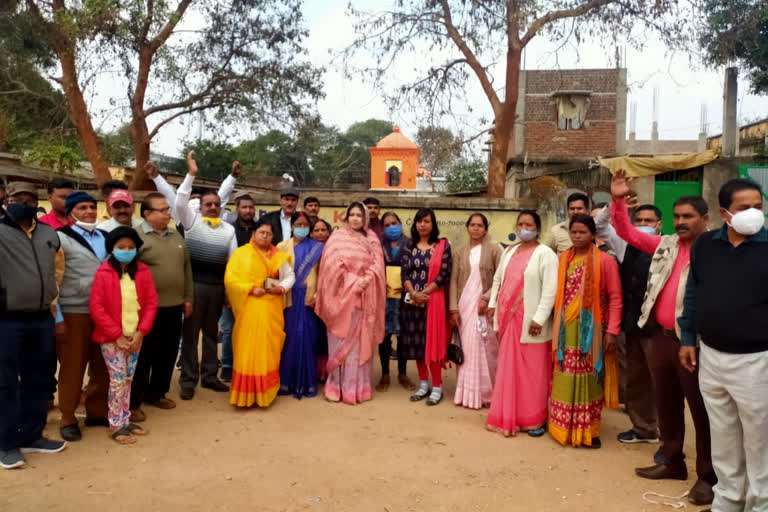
(258, 334)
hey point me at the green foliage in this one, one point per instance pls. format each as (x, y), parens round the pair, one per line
(63, 159)
(117, 146)
(214, 159)
(440, 149)
(737, 30)
(467, 175)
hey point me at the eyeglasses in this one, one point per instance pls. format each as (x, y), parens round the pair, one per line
(264, 234)
(167, 209)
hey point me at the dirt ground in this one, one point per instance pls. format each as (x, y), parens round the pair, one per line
(387, 455)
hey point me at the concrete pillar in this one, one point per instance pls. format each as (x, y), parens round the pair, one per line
(702, 144)
(645, 188)
(630, 146)
(621, 112)
(730, 125)
(655, 138)
(518, 144)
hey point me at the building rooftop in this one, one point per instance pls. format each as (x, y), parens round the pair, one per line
(396, 140)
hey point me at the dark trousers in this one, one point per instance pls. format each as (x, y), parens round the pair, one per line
(674, 385)
(154, 370)
(639, 394)
(209, 299)
(385, 352)
(26, 348)
(76, 350)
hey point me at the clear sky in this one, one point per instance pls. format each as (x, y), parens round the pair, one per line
(683, 85)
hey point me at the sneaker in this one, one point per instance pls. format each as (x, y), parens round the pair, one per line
(187, 393)
(12, 459)
(658, 457)
(226, 374)
(630, 437)
(216, 385)
(44, 445)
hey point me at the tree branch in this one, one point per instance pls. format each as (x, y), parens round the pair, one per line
(552, 16)
(472, 61)
(179, 114)
(167, 30)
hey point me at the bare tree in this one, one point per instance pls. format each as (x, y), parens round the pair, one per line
(473, 36)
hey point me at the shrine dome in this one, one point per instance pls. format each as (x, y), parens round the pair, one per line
(396, 140)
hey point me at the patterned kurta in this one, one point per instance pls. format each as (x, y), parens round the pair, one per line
(413, 319)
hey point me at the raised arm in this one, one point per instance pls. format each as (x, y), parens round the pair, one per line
(185, 214)
(620, 188)
(226, 188)
(606, 233)
(162, 186)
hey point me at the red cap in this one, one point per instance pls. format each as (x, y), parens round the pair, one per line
(120, 195)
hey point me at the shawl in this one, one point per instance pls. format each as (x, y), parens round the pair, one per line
(587, 309)
(437, 328)
(392, 254)
(348, 257)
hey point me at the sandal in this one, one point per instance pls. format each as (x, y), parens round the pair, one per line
(123, 436)
(137, 430)
(419, 395)
(538, 432)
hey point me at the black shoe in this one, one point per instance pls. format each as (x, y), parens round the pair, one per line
(96, 422)
(663, 472)
(225, 374)
(596, 443)
(701, 493)
(187, 393)
(71, 433)
(216, 385)
(658, 457)
(12, 459)
(44, 445)
(631, 436)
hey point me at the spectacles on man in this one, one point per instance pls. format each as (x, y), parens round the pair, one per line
(167, 209)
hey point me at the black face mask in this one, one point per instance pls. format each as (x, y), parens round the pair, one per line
(21, 211)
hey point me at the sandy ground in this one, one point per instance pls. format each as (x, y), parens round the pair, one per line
(386, 455)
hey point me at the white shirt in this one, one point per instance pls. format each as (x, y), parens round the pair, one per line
(225, 190)
(188, 217)
(285, 223)
(607, 233)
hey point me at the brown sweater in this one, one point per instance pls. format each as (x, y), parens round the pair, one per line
(167, 258)
(490, 255)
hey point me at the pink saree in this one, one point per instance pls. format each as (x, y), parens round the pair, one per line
(354, 317)
(524, 370)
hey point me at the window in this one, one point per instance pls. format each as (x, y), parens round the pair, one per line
(393, 176)
(571, 109)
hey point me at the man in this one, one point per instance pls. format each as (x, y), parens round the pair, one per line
(82, 252)
(120, 210)
(58, 190)
(662, 304)
(374, 209)
(165, 253)
(559, 234)
(225, 189)
(312, 208)
(726, 302)
(28, 288)
(210, 243)
(281, 219)
(243, 224)
(635, 355)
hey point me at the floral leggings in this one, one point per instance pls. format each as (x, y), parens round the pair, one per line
(120, 365)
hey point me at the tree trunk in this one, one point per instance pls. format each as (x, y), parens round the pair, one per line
(140, 140)
(504, 129)
(78, 113)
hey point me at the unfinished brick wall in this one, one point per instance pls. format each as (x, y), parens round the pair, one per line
(598, 134)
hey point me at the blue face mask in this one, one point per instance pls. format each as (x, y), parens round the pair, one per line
(124, 256)
(301, 233)
(393, 232)
(648, 230)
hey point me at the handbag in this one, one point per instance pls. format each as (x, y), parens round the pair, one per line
(455, 353)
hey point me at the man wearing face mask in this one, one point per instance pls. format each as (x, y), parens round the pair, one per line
(82, 252)
(635, 355)
(663, 303)
(120, 209)
(27, 291)
(210, 243)
(726, 304)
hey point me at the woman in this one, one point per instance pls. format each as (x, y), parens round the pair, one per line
(584, 277)
(123, 306)
(321, 230)
(350, 300)
(426, 269)
(257, 277)
(521, 308)
(474, 266)
(393, 240)
(298, 369)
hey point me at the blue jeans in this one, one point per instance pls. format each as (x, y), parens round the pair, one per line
(26, 350)
(226, 322)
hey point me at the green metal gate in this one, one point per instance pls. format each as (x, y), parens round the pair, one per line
(759, 174)
(672, 185)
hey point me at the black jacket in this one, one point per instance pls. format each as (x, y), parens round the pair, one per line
(277, 228)
(634, 281)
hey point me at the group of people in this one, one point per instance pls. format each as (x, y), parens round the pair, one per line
(538, 330)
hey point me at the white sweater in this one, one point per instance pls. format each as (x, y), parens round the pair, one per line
(539, 288)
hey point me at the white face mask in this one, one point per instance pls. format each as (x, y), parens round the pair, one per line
(648, 230)
(87, 226)
(747, 222)
(527, 235)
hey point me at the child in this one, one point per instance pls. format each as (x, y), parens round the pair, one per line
(123, 307)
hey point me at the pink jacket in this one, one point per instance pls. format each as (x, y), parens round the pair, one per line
(106, 303)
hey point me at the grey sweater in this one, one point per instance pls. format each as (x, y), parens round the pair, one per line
(27, 277)
(80, 265)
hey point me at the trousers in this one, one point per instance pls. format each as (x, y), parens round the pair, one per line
(639, 389)
(209, 299)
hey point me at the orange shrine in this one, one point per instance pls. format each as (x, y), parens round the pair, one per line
(394, 162)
